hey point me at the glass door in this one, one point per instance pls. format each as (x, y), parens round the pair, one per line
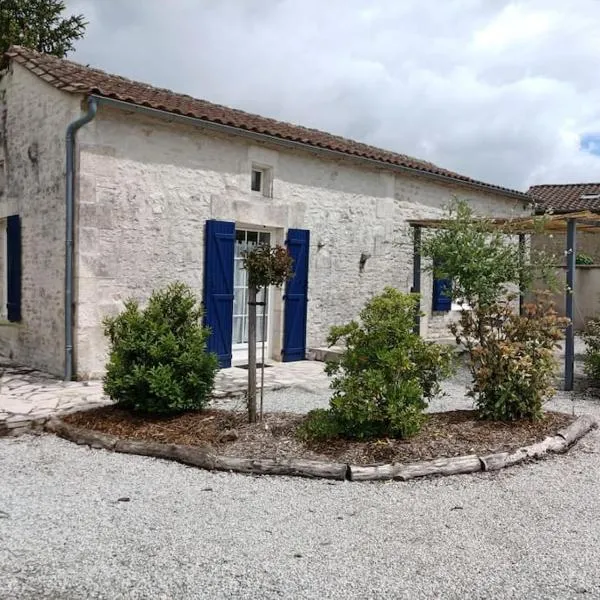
(247, 240)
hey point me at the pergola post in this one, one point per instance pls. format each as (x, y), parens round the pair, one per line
(569, 295)
(416, 286)
(521, 266)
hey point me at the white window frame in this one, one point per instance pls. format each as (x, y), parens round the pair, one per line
(240, 351)
(266, 180)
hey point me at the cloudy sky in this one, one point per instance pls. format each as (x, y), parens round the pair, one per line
(504, 91)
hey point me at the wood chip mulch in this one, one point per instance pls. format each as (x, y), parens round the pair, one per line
(445, 434)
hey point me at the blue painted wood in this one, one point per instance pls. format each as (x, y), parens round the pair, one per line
(218, 287)
(442, 293)
(13, 268)
(296, 297)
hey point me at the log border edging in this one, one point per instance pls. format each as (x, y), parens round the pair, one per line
(204, 458)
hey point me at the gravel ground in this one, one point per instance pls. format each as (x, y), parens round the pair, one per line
(527, 532)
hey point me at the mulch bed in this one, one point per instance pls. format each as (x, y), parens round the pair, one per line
(444, 435)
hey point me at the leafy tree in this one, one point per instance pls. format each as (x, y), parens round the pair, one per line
(510, 356)
(39, 25)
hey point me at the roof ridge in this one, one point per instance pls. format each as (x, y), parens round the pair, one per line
(73, 77)
(563, 184)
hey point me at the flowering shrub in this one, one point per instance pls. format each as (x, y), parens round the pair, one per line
(591, 337)
(512, 357)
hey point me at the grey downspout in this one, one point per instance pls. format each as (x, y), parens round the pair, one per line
(70, 227)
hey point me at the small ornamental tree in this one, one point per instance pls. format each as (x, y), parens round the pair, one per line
(510, 356)
(158, 361)
(266, 266)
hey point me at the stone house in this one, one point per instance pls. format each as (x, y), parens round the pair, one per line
(164, 187)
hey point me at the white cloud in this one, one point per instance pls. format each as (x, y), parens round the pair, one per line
(498, 90)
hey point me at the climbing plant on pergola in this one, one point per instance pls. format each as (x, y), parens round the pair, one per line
(568, 222)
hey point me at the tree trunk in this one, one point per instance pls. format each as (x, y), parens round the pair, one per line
(262, 359)
(252, 353)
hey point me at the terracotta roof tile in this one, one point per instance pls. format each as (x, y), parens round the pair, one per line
(567, 197)
(72, 77)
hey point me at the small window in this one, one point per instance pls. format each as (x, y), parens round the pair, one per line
(257, 180)
(261, 180)
(11, 262)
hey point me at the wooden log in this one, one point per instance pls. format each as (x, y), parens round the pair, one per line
(372, 472)
(537, 450)
(494, 462)
(578, 429)
(442, 466)
(295, 467)
(81, 436)
(403, 472)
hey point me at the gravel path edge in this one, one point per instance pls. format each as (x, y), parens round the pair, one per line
(204, 458)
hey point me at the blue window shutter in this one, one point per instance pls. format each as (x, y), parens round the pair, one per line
(218, 287)
(442, 293)
(296, 297)
(13, 268)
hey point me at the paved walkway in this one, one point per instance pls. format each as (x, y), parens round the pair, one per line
(29, 397)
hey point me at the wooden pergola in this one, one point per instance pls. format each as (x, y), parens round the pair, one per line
(566, 222)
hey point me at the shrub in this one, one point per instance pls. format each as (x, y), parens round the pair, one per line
(513, 361)
(385, 375)
(583, 259)
(158, 362)
(591, 361)
(320, 424)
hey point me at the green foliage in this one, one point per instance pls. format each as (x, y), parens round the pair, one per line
(39, 25)
(385, 375)
(513, 362)
(158, 361)
(583, 259)
(591, 361)
(320, 424)
(268, 265)
(480, 259)
(510, 357)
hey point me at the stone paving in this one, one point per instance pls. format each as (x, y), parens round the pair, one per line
(29, 397)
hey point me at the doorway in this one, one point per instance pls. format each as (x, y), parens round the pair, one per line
(246, 240)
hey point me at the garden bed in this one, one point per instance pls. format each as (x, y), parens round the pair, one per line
(444, 435)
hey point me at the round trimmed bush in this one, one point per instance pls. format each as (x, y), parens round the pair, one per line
(158, 361)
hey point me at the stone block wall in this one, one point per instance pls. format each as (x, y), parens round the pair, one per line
(148, 186)
(33, 120)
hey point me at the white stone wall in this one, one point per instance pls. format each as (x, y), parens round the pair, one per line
(33, 119)
(148, 186)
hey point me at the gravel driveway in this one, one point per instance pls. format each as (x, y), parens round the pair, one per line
(527, 532)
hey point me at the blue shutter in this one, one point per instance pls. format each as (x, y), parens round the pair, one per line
(442, 293)
(218, 287)
(296, 297)
(13, 268)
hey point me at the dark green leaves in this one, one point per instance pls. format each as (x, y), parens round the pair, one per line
(39, 25)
